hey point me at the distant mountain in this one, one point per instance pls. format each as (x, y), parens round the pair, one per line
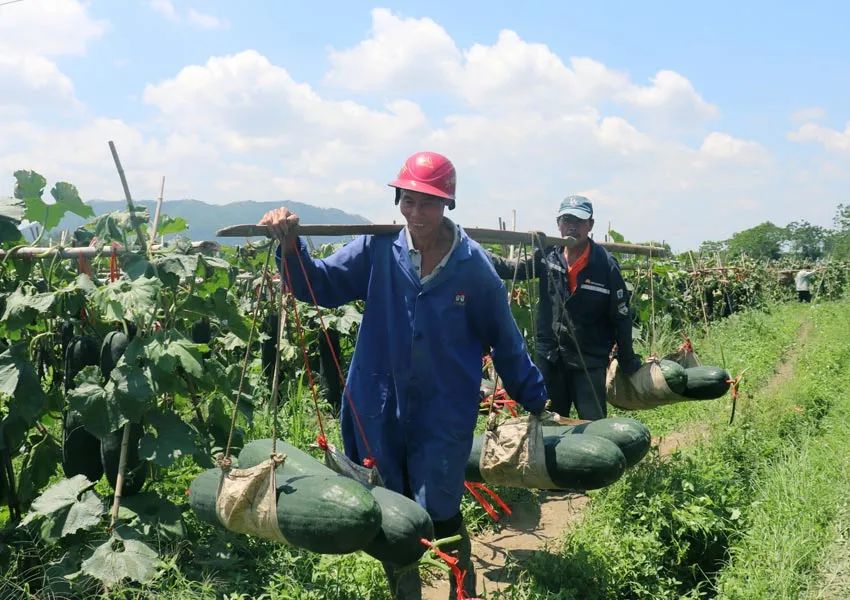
(205, 219)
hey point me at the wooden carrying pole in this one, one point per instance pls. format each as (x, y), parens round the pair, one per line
(483, 236)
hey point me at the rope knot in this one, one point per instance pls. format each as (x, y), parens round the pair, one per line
(368, 462)
(322, 442)
(225, 463)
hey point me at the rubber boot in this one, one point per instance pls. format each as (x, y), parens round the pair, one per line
(463, 551)
(404, 582)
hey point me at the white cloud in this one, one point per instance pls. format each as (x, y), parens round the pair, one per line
(829, 138)
(810, 113)
(205, 21)
(29, 78)
(523, 125)
(48, 28)
(28, 82)
(165, 8)
(401, 54)
(670, 92)
(191, 16)
(723, 146)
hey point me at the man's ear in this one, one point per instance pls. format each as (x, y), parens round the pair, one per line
(591, 224)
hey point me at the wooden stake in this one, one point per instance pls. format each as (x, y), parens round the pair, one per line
(155, 225)
(127, 196)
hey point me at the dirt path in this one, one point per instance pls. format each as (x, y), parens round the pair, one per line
(527, 530)
(532, 528)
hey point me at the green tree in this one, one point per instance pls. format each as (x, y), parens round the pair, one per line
(806, 241)
(838, 242)
(761, 242)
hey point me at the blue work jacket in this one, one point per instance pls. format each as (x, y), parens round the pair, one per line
(416, 370)
(598, 309)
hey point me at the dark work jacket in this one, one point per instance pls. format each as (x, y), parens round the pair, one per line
(598, 310)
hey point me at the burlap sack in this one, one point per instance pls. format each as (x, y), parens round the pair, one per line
(513, 454)
(642, 390)
(247, 500)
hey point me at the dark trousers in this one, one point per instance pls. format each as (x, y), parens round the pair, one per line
(570, 388)
(804, 296)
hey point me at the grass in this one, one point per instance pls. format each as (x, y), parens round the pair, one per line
(667, 529)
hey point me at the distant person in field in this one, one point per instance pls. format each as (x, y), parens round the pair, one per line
(583, 313)
(803, 283)
(433, 301)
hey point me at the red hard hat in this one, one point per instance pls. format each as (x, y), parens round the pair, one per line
(429, 173)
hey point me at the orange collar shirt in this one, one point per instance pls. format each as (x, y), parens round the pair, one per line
(576, 267)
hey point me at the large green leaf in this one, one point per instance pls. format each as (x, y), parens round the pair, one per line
(168, 225)
(155, 514)
(187, 354)
(38, 467)
(229, 315)
(72, 296)
(175, 267)
(68, 198)
(19, 380)
(133, 389)
(67, 507)
(24, 305)
(173, 439)
(118, 559)
(29, 184)
(99, 408)
(132, 300)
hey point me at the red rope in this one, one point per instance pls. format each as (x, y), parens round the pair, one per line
(451, 561)
(475, 488)
(114, 272)
(321, 439)
(369, 461)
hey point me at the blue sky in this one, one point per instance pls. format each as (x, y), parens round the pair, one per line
(681, 122)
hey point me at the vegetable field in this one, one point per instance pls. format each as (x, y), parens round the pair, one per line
(137, 366)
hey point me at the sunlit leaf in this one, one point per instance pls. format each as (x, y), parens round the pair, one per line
(68, 507)
(24, 305)
(29, 184)
(132, 300)
(118, 559)
(188, 355)
(38, 467)
(97, 405)
(69, 200)
(133, 390)
(19, 380)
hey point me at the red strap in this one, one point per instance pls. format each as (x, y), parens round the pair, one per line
(451, 561)
(309, 370)
(369, 461)
(475, 488)
(114, 272)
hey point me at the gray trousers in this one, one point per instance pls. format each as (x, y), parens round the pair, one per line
(574, 388)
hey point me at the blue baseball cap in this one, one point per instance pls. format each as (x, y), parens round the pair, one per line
(578, 206)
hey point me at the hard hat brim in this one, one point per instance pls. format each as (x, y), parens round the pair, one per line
(418, 186)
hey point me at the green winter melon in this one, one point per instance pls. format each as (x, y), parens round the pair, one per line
(136, 469)
(80, 449)
(573, 461)
(327, 514)
(675, 375)
(707, 383)
(111, 351)
(631, 436)
(403, 521)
